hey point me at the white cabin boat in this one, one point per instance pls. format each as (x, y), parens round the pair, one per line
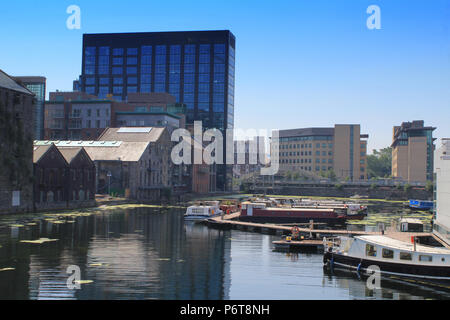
(202, 211)
(395, 258)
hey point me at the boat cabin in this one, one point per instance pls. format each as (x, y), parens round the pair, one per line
(410, 225)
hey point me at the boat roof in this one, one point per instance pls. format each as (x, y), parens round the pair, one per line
(411, 220)
(397, 244)
(301, 209)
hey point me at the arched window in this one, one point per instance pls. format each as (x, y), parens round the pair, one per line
(50, 196)
(81, 195)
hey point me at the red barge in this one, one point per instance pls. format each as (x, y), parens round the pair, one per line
(263, 212)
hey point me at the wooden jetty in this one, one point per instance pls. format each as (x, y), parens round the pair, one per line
(314, 236)
(298, 245)
(228, 222)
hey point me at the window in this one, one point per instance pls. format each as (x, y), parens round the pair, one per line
(132, 80)
(131, 60)
(425, 258)
(118, 52)
(118, 80)
(132, 51)
(117, 70)
(117, 61)
(388, 254)
(371, 251)
(131, 70)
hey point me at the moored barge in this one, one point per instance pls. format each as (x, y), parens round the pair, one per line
(263, 212)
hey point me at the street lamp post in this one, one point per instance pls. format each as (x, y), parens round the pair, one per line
(109, 182)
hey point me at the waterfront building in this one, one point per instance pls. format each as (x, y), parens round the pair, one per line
(17, 104)
(412, 152)
(442, 191)
(342, 149)
(154, 171)
(76, 116)
(37, 85)
(197, 68)
(64, 178)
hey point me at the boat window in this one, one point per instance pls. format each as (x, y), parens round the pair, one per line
(389, 254)
(425, 258)
(405, 256)
(371, 250)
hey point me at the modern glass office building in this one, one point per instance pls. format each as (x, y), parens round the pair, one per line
(196, 67)
(37, 86)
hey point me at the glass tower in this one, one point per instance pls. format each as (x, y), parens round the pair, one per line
(37, 86)
(196, 67)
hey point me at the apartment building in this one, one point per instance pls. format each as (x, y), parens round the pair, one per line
(342, 149)
(412, 152)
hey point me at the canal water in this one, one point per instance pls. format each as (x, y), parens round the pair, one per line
(147, 252)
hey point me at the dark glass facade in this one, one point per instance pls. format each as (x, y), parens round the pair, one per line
(196, 67)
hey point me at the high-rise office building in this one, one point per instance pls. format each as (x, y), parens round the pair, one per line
(412, 152)
(342, 149)
(37, 86)
(196, 67)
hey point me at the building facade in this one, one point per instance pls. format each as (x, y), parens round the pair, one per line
(37, 85)
(197, 68)
(17, 104)
(342, 149)
(64, 178)
(153, 172)
(442, 192)
(412, 152)
(76, 116)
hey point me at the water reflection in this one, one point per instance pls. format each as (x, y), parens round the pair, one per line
(131, 254)
(151, 253)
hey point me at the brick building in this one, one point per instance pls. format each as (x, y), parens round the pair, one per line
(16, 146)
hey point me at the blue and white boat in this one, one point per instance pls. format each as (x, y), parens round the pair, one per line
(421, 204)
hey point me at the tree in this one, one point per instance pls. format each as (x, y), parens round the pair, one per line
(379, 163)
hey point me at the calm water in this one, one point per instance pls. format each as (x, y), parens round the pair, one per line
(150, 253)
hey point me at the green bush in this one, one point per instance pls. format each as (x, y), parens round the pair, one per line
(339, 186)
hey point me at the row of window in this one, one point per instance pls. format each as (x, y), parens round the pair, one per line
(302, 146)
(371, 251)
(306, 138)
(307, 153)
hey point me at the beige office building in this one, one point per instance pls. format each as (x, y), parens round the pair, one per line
(412, 152)
(342, 149)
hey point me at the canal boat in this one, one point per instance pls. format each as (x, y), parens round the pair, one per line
(420, 204)
(267, 212)
(353, 211)
(394, 258)
(203, 210)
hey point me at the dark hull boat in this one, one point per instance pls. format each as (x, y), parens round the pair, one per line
(395, 259)
(260, 212)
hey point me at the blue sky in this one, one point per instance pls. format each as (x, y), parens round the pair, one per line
(298, 63)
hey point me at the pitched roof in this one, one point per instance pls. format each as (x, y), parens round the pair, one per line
(99, 150)
(8, 82)
(127, 151)
(70, 153)
(132, 134)
(39, 151)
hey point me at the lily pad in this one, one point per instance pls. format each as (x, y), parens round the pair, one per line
(39, 241)
(83, 281)
(17, 226)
